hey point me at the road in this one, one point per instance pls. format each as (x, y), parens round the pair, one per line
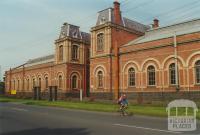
(19, 119)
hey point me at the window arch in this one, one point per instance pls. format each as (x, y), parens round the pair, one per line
(100, 42)
(74, 52)
(74, 82)
(100, 79)
(60, 53)
(131, 77)
(46, 82)
(60, 81)
(151, 76)
(197, 71)
(172, 73)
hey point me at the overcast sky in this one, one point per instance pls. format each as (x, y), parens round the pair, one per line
(28, 28)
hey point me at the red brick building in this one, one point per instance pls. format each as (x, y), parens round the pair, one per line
(129, 57)
(125, 57)
(66, 70)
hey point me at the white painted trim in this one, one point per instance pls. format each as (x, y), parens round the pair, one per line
(172, 56)
(110, 19)
(123, 21)
(154, 61)
(131, 63)
(190, 57)
(99, 66)
(144, 128)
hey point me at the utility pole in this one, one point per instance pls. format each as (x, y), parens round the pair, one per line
(176, 62)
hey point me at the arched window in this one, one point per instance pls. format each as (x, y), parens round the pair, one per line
(74, 52)
(131, 76)
(100, 79)
(197, 70)
(40, 82)
(60, 81)
(151, 76)
(18, 84)
(14, 85)
(60, 53)
(172, 73)
(46, 83)
(74, 82)
(100, 42)
(34, 84)
(27, 84)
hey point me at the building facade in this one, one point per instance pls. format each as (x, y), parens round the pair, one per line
(66, 70)
(125, 57)
(145, 62)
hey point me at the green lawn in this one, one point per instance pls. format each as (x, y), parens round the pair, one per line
(149, 110)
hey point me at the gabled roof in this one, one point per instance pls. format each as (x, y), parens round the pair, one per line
(182, 28)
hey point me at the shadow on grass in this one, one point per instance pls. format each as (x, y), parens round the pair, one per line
(47, 131)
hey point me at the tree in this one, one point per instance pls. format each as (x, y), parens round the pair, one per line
(2, 87)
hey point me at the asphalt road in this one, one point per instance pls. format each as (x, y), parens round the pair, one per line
(19, 119)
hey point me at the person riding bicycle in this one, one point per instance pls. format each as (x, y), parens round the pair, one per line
(123, 103)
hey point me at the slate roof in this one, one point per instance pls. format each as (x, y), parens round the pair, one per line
(182, 28)
(107, 15)
(40, 60)
(73, 31)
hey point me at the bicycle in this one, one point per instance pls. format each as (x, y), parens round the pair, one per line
(123, 111)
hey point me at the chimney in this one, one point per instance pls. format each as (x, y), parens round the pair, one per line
(155, 23)
(117, 13)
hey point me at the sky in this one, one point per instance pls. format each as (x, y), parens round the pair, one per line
(28, 28)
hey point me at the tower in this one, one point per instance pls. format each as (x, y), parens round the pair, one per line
(110, 33)
(72, 53)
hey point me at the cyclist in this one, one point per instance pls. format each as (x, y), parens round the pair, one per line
(123, 104)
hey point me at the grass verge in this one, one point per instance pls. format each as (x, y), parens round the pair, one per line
(148, 110)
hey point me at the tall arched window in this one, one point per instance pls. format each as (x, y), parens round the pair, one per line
(60, 81)
(151, 76)
(197, 70)
(60, 53)
(27, 84)
(100, 42)
(172, 73)
(18, 84)
(46, 83)
(100, 79)
(34, 84)
(40, 82)
(131, 76)
(14, 86)
(74, 52)
(74, 82)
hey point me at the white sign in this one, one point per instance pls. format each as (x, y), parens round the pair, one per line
(181, 121)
